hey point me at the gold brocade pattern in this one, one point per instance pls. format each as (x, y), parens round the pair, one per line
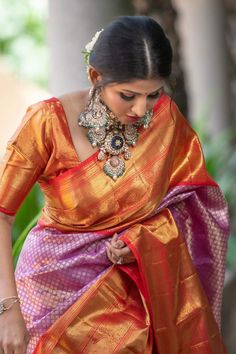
(145, 183)
(42, 150)
(110, 318)
(113, 314)
(107, 322)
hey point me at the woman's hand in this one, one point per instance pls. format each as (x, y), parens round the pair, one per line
(13, 333)
(118, 252)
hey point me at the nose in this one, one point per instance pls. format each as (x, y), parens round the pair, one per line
(140, 107)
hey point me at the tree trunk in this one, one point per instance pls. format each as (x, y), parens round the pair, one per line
(72, 24)
(201, 25)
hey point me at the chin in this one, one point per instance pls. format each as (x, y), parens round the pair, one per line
(122, 120)
(125, 121)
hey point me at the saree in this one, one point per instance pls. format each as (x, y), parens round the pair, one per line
(174, 219)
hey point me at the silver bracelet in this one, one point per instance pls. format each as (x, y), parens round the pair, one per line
(3, 307)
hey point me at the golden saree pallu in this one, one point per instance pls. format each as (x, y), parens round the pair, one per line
(168, 211)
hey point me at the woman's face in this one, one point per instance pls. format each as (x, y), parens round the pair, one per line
(130, 101)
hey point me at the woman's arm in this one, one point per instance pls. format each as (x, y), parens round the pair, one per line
(7, 280)
(13, 333)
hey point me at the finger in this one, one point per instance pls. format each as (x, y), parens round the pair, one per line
(125, 259)
(116, 242)
(119, 244)
(27, 338)
(116, 252)
(7, 349)
(114, 238)
(110, 256)
(125, 251)
(108, 253)
(20, 350)
(119, 252)
(129, 259)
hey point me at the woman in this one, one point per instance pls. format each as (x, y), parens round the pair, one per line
(127, 202)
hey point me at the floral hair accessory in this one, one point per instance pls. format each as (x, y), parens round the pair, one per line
(89, 46)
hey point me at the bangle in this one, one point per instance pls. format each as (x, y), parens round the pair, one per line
(3, 307)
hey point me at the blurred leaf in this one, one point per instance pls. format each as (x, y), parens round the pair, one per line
(22, 38)
(17, 246)
(31, 207)
(26, 218)
(231, 258)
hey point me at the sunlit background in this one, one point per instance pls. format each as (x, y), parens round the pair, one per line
(40, 56)
(23, 38)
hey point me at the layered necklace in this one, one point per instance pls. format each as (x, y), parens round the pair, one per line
(113, 138)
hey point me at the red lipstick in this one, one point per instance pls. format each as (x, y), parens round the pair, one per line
(133, 117)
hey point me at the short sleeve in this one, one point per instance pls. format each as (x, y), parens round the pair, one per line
(26, 157)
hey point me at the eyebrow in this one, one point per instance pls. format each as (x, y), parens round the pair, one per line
(138, 93)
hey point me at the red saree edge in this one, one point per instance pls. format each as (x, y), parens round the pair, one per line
(38, 344)
(41, 223)
(74, 169)
(7, 212)
(144, 289)
(209, 183)
(162, 98)
(133, 249)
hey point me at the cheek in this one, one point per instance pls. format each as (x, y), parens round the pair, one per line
(117, 105)
(151, 104)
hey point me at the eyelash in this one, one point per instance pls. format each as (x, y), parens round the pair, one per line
(130, 98)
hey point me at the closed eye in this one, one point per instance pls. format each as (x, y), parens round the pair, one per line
(152, 96)
(125, 97)
(155, 95)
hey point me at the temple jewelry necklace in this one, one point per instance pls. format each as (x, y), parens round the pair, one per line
(111, 137)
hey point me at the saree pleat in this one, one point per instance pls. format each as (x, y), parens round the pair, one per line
(181, 317)
(109, 318)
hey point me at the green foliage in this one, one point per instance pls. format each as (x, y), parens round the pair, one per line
(22, 37)
(18, 244)
(232, 253)
(31, 206)
(26, 218)
(220, 156)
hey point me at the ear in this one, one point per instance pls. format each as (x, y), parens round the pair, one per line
(93, 75)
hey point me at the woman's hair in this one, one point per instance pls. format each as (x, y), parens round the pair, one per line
(130, 48)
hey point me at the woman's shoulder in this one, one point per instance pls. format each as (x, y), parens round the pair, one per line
(72, 104)
(69, 103)
(52, 111)
(74, 101)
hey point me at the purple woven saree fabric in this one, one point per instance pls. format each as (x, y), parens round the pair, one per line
(201, 214)
(54, 269)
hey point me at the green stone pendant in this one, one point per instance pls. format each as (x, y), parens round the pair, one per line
(114, 167)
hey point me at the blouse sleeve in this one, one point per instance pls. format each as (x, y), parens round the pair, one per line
(26, 157)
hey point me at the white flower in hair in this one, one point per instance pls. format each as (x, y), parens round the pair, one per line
(90, 45)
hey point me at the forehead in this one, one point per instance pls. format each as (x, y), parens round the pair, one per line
(140, 86)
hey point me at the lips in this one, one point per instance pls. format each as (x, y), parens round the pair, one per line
(133, 117)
